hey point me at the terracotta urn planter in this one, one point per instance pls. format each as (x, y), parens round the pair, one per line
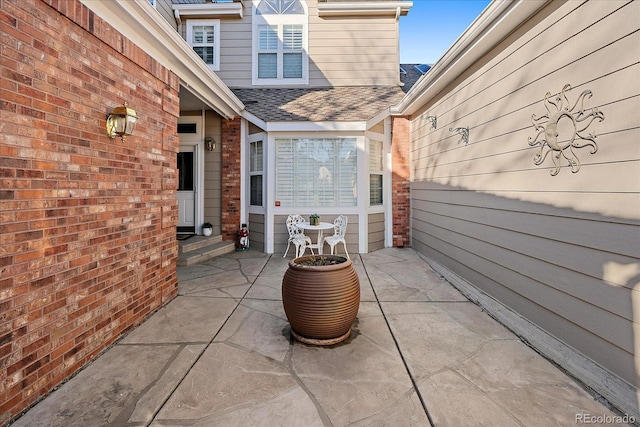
(321, 301)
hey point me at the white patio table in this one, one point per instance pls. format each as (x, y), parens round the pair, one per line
(320, 229)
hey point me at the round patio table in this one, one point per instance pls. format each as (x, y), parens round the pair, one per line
(320, 229)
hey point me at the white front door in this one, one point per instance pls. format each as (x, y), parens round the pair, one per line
(187, 188)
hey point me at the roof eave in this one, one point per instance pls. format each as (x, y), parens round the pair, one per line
(142, 24)
(378, 8)
(226, 10)
(493, 25)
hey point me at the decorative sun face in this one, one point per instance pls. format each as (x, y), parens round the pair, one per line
(549, 138)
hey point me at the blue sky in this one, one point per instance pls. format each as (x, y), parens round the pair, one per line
(432, 26)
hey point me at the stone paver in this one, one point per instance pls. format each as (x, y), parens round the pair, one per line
(220, 354)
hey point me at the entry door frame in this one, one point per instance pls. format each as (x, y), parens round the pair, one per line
(195, 142)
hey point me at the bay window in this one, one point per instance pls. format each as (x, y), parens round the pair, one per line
(316, 172)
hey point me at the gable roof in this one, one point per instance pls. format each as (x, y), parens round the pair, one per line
(354, 103)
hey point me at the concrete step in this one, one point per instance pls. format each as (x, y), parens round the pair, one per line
(197, 242)
(204, 253)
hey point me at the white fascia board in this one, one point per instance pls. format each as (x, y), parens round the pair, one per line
(142, 24)
(374, 136)
(378, 118)
(232, 10)
(255, 120)
(315, 126)
(494, 24)
(371, 8)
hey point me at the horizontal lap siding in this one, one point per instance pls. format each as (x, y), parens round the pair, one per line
(235, 50)
(256, 232)
(560, 250)
(352, 52)
(376, 232)
(213, 174)
(342, 51)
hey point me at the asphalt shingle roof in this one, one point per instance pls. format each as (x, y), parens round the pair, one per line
(411, 77)
(318, 104)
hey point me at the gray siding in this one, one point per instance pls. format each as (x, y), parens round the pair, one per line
(165, 9)
(281, 235)
(256, 232)
(213, 173)
(560, 250)
(376, 232)
(235, 50)
(352, 51)
(342, 51)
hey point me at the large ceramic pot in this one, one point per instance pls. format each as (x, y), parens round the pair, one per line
(321, 301)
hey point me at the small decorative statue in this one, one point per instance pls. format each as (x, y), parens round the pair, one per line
(242, 241)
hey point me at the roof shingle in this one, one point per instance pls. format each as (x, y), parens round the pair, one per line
(318, 104)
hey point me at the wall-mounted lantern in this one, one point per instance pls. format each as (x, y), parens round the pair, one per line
(209, 143)
(121, 122)
(464, 132)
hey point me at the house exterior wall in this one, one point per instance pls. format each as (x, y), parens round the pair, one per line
(88, 223)
(376, 231)
(164, 8)
(213, 173)
(231, 178)
(256, 232)
(400, 181)
(353, 51)
(561, 250)
(347, 51)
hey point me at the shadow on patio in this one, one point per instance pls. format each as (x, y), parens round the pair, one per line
(220, 354)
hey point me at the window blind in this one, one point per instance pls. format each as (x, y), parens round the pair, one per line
(316, 172)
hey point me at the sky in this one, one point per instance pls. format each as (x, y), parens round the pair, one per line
(432, 26)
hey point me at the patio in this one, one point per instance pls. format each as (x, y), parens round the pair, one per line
(220, 354)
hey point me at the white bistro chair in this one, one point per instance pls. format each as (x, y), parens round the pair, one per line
(339, 230)
(296, 236)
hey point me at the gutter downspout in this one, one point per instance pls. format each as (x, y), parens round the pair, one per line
(398, 11)
(176, 15)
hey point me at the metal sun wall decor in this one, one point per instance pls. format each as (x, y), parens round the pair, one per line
(547, 127)
(464, 132)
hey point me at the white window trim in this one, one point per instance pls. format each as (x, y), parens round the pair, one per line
(379, 172)
(280, 21)
(216, 34)
(261, 137)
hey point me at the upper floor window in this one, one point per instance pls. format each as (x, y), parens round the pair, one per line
(204, 36)
(280, 43)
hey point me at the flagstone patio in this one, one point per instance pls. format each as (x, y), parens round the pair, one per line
(220, 354)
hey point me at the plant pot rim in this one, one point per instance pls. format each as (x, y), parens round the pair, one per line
(344, 262)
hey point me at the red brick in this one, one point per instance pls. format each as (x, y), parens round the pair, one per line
(61, 189)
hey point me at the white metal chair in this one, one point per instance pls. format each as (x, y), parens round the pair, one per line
(339, 230)
(296, 236)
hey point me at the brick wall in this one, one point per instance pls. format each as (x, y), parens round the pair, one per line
(87, 224)
(400, 182)
(230, 178)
